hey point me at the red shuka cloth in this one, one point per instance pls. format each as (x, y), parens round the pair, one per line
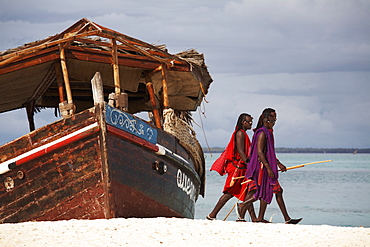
(231, 164)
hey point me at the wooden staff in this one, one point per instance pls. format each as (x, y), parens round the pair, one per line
(232, 180)
(236, 201)
(311, 163)
(289, 168)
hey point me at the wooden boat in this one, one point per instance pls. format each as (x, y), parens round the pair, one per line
(100, 160)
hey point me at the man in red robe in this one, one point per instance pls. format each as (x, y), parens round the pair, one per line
(233, 163)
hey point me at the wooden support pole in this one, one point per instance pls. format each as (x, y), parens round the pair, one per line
(117, 84)
(67, 109)
(30, 106)
(59, 75)
(65, 73)
(157, 118)
(166, 103)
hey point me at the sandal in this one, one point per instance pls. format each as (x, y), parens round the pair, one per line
(263, 221)
(240, 220)
(293, 221)
(210, 218)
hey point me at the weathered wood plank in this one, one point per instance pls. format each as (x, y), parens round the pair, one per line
(45, 134)
(53, 179)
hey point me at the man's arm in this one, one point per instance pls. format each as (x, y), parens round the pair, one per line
(281, 166)
(240, 145)
(261, 147)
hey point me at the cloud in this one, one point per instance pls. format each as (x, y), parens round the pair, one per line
(298, 36)
(271, 36)
(308, 59)
(13, 124)
(314, 110)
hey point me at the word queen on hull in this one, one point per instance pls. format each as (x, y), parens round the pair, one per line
(99, 160)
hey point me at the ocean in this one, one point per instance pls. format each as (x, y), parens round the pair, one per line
(335, 193)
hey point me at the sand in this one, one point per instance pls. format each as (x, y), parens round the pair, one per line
(177, 232)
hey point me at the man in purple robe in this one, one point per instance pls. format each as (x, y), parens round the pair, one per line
(263, 169)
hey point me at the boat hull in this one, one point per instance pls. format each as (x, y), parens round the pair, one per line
(102, 172)
(141, 191)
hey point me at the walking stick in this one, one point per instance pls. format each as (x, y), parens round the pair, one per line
(311, 163)
(235, 204)
(232, 207)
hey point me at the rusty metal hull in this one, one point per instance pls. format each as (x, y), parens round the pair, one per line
(86, 168)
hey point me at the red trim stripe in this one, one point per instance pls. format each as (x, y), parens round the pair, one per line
(57, 145)
(132, 138)
(49, 147)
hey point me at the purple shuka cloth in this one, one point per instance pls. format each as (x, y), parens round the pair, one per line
(265, 188)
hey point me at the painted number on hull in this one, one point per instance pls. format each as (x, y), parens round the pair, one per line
(184, 183)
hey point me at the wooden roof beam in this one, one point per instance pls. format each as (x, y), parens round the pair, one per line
(141, 51)
(85, 54)
(11, 57)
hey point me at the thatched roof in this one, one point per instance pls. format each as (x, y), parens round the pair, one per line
(31, 72)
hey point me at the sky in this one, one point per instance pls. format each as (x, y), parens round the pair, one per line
(307, 59)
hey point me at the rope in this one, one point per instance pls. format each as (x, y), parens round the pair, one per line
(204, 94)
(204, 133)
(186, 136)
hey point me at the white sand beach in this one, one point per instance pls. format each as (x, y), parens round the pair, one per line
(177, 232)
